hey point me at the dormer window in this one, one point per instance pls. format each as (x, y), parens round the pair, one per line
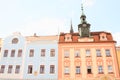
(103, 37)
(68, 37)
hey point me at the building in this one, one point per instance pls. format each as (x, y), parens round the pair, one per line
(118, 55)
(29, 58)
(86, 55)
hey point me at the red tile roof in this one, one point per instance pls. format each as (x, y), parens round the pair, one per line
(94, 35)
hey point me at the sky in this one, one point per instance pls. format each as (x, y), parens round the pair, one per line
(50, 17)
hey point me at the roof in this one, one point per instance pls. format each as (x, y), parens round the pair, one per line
(96, 36)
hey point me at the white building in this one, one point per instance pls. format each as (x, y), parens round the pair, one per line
(29, 58)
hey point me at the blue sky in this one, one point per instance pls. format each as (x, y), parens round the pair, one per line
(47, 17)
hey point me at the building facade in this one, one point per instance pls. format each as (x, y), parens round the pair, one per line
(29, 58)
(118, 55)
(87, 55)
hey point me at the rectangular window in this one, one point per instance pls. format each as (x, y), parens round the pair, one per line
(31, 54)
(0, 49)
(87, 53)
(42, 52)
(77, 69)
(66, 53)
(42, 69)
(98, 53)
(52, 52)
(52, 69)
(89, 70)
(30, 69)
(77, 53)
(12, 53)
(17, 69)
(2, 69)
(100, 69)
(110, 70)
(66, 70)
(19, 53)
(5, 53)
(10, 68)
(107, 51)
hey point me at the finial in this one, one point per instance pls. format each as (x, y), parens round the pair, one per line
(82, 9)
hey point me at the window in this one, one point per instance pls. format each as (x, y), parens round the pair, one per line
(15, 41)
(42, 52)
(10, 69)
(110, 69)
(52, 69)
(87, 53)
(0, 49)
(42, 69)
(66, 70)
(66, 53)
(52, 52)
(89, 71)
(107, 51)
(100, 69)
(77, 53)
(17, 69)
(77, 69)
(20, 53)
(12, 53)
(98, 53)
(2, 69)
(30, 69)
(31, 54)
(5, 53)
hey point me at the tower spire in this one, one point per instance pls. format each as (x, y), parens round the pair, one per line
(71, 28)
(82, 9)
(83, 16)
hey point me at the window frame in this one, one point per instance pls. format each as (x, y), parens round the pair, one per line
(52, 69)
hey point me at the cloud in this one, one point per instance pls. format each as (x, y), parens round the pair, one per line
(88, 3)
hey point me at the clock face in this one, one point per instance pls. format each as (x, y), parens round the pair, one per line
(84, 25)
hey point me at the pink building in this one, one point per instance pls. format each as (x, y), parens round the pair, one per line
(87, 55)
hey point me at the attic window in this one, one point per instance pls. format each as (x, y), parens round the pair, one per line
(68, 37)
(103, 37)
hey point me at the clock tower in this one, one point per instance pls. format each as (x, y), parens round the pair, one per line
(84, 27)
